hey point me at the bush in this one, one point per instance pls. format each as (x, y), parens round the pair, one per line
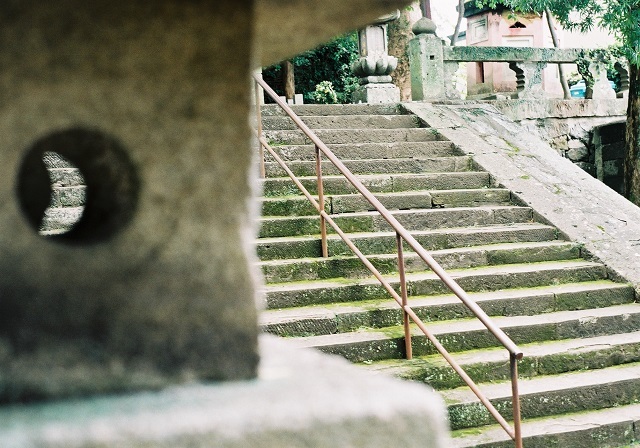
(330, 62)
(324, 93)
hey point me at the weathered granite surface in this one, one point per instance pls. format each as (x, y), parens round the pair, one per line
(300, 398)
(518, 110)
(154, 285)
(571, 127)
(583, 208)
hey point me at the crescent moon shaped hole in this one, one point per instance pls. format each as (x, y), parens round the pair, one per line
(77, 186)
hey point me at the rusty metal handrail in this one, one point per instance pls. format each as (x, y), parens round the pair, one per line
(515, 353)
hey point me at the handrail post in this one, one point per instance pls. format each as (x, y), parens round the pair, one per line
(403, 293)
(263, 170)
(517, 423)
(323, 222)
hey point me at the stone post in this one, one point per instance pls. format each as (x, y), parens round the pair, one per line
(623, 70)
(601, 88)
(374, 67)
(450, 90)
(426, 62)
(529, 79)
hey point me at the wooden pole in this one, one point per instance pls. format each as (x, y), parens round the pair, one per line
(554, 38)
(425, 7)
(288, 80)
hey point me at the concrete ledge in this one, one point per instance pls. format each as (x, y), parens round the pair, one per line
(581, 207)
(511, 54)
(301, 398)
(518, 110)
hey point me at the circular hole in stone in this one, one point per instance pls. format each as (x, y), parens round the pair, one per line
(77, 186)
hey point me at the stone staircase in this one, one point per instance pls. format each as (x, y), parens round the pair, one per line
(579, 330)
(68, 195)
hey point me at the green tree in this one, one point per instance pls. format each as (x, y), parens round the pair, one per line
(330, 62)
(622, 18)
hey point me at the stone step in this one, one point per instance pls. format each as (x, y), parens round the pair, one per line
(377, 166)
(353, 151)
(547, 358)
(330, 136)
(488, 278)
(470, 334)
(61, 219)
(609, 427)
(380, 183)
(548, 395)
(299, 269)
(385, 242)
(73, 196)
(333, 109)
(470, 198)
(343, 122)
(351, 316)
(300, 205)
(412, 220)
(65, 177)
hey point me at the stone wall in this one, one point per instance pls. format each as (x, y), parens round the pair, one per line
(571, 127)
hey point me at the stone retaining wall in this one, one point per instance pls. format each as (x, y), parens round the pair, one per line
(571, 127)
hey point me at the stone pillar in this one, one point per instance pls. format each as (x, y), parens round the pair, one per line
(374, 67)
(529, 79)
(450, 71)
(601, 88)
(427, 64)
(623, 71)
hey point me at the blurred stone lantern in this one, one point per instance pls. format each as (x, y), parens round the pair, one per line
(374, 66)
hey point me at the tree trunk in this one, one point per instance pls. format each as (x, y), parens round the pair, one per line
(554, 38)
(425, 7)
(288, 80)
(400, 34)
(456, 31)
(632, 151)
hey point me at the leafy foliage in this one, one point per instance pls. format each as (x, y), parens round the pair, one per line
(330, 62)
(608, 56)
(324, 93)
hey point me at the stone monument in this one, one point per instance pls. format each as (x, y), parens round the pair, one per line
(375, 65)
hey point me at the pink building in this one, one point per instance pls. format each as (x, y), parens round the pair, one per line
(501, 27)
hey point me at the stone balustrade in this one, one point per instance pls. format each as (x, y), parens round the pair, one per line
(434, 64)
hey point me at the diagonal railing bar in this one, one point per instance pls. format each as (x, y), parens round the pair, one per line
(400, 299)
(401, 234)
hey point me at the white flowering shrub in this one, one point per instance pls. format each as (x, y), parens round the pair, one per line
(324, 93)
